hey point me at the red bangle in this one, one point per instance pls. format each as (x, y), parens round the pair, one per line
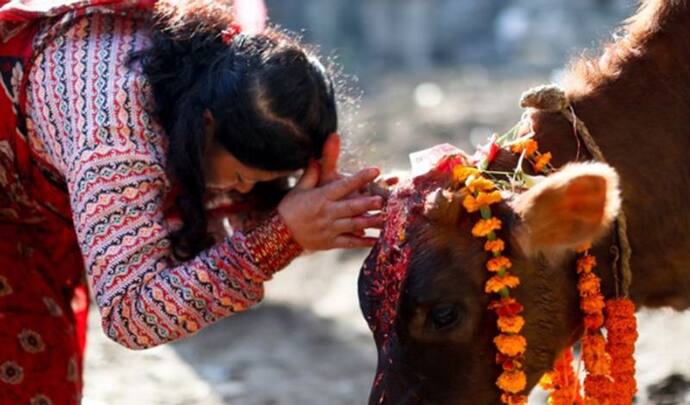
(272, 246)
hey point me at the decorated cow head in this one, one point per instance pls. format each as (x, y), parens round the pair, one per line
(423, 288)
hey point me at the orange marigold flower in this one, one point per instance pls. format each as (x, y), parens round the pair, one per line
(620, 308)
(506, 306)
(529, 145)
(489, 198)
(512, 399)
(597, 387)
(542, 162)
(594, 321)
(597, 361)
(512, 381)
(592, 304)
(497, 263)
(511, 345)
(620, 350)
(497, 283)
(494, 246)
(473, 204)
(586, 263)
(470, 203)
(589, 284)
(480, 183)
(624, 390)
(485, 227)
(623, 366)
(546, 381)
(510, 324)
(562, 382)
(509, 399)
(615, 324)
(461, 173)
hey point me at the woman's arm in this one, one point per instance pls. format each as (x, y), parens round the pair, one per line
(89, 113)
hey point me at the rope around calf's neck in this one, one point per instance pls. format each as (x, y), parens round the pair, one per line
(551, 98)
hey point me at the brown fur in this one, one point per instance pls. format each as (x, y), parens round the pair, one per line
(654, 18)
(635, 100)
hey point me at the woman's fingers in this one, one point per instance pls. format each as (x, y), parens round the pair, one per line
(348, 185)
(351, 242)
(356, 224)
(356, 206)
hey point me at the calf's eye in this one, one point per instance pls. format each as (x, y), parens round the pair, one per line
(444, 317)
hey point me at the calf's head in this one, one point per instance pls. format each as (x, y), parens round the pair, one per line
(422, 287)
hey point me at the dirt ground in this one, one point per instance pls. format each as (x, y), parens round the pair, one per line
(307, 343)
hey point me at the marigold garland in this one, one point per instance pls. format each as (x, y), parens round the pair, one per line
(622, 334)
(597, 360)
(480, 194)
(608, 361)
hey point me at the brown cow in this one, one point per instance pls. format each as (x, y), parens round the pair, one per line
(430, 320)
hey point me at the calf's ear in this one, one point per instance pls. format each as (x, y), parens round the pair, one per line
(569, 208)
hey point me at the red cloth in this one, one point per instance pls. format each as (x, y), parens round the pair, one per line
(43, 297)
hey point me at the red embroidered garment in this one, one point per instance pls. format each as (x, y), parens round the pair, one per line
(82, 187)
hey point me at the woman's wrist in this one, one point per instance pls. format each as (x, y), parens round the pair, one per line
(271, 245)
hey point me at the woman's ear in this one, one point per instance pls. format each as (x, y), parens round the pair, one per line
(569, 208)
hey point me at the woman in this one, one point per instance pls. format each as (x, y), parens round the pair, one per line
(120, 121)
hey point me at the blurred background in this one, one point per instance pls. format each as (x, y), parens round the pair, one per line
(416, 73)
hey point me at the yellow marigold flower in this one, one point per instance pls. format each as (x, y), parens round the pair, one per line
(470, 203)
(494, 246)
(497, 283)
(473, 204)
(461, 173)
(486, 226)
(497, 263)
(510, 324)
(511, 345)
(529, 145)
(542, 161)
(480, 183)
(546, 381)
(512, 381)
(489, 198)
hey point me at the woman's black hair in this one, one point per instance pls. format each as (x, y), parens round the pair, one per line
(272, 101)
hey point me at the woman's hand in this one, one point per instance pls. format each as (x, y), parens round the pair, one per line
(328, 217)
